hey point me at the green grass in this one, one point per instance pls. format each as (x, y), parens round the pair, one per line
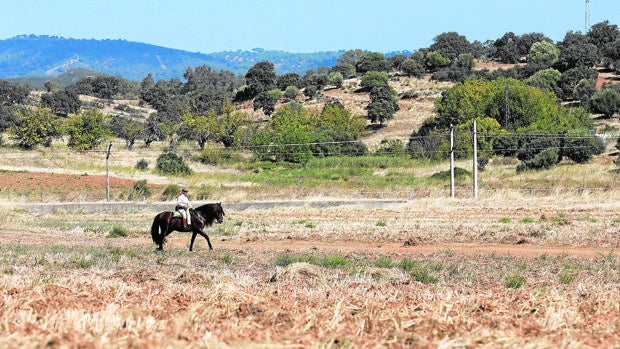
(384, 262)
(514, 281)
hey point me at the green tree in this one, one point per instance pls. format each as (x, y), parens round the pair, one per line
(506, 48)
(543, 53)
(228, 125)
(346, 69)
(127, 129)
(34, 126)
(291, 130)
(291, 92)
(372, 61)
(571, 78)
(351, 57)
(374, 79)
(435, 60)
(336, 117)
(87, 129)
(261, 77)
(201, 126)
(62, 102)
(585, 89)
(580, 146)
(288, 79)
(606, 101)
(383, 104)
(601, 34)
(450, 45)
(576, 51)
(336, 79)
(527, 107)
(266, 102)
(412, 67)
(546, 79)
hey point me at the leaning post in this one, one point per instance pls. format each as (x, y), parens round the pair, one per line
(107, 174)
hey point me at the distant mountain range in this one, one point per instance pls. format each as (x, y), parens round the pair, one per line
(38, 58)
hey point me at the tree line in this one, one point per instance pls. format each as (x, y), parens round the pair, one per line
(551, 88)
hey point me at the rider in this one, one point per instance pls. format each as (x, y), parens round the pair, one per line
(183, 206)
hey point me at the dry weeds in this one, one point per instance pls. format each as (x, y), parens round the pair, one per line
(70, 288)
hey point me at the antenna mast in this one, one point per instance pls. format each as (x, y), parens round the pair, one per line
(587, 16)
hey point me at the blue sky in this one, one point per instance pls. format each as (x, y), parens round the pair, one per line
(298, 25)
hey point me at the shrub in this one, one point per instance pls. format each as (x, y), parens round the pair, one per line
(514, 281)
(407, 264)
(544, 160)
(118, 232)
(142, 164)
(424, 276)
(390, 147)
(581, 146)
(169, 163)
(531, 145)
(284, 260)
(170, 192)
(445, 175)
(384, 262)
(140, 190)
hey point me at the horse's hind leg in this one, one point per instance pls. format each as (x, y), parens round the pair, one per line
(191, 244)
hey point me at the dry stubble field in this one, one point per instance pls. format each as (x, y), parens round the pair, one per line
(499, 272)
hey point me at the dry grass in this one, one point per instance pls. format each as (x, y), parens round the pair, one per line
(64, 284)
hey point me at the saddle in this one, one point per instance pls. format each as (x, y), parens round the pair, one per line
(177, 214)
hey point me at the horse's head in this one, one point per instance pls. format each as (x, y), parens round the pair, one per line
(211, 213)
(219, 213)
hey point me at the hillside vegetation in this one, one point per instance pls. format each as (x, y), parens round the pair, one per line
(367, 123)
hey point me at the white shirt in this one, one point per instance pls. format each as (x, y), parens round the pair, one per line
(183, 201)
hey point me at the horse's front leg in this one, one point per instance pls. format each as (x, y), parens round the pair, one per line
(203, 234)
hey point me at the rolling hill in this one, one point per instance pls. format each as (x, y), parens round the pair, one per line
(30, 56)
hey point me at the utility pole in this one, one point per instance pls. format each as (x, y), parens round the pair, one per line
(506, 108)
(475, 161)
(452, 161)
(107, 174)
(587, 16)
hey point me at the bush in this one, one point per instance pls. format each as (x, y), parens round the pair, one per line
(140, 190)
(514, 281)
(530, 145)
(142, 164)
(170, 192)
(169, 163)
(581, 146)
(445, 175)
(544, 160)
(391, 147)
(118, 232)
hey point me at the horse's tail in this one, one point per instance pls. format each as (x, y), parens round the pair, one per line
(158, 238)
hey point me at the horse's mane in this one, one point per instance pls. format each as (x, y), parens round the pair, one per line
(209, 212)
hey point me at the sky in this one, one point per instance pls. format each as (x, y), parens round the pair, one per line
(298, 26)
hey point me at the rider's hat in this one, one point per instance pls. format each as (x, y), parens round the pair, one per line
(185, 190)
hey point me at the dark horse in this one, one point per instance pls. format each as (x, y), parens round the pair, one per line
(203, 216)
